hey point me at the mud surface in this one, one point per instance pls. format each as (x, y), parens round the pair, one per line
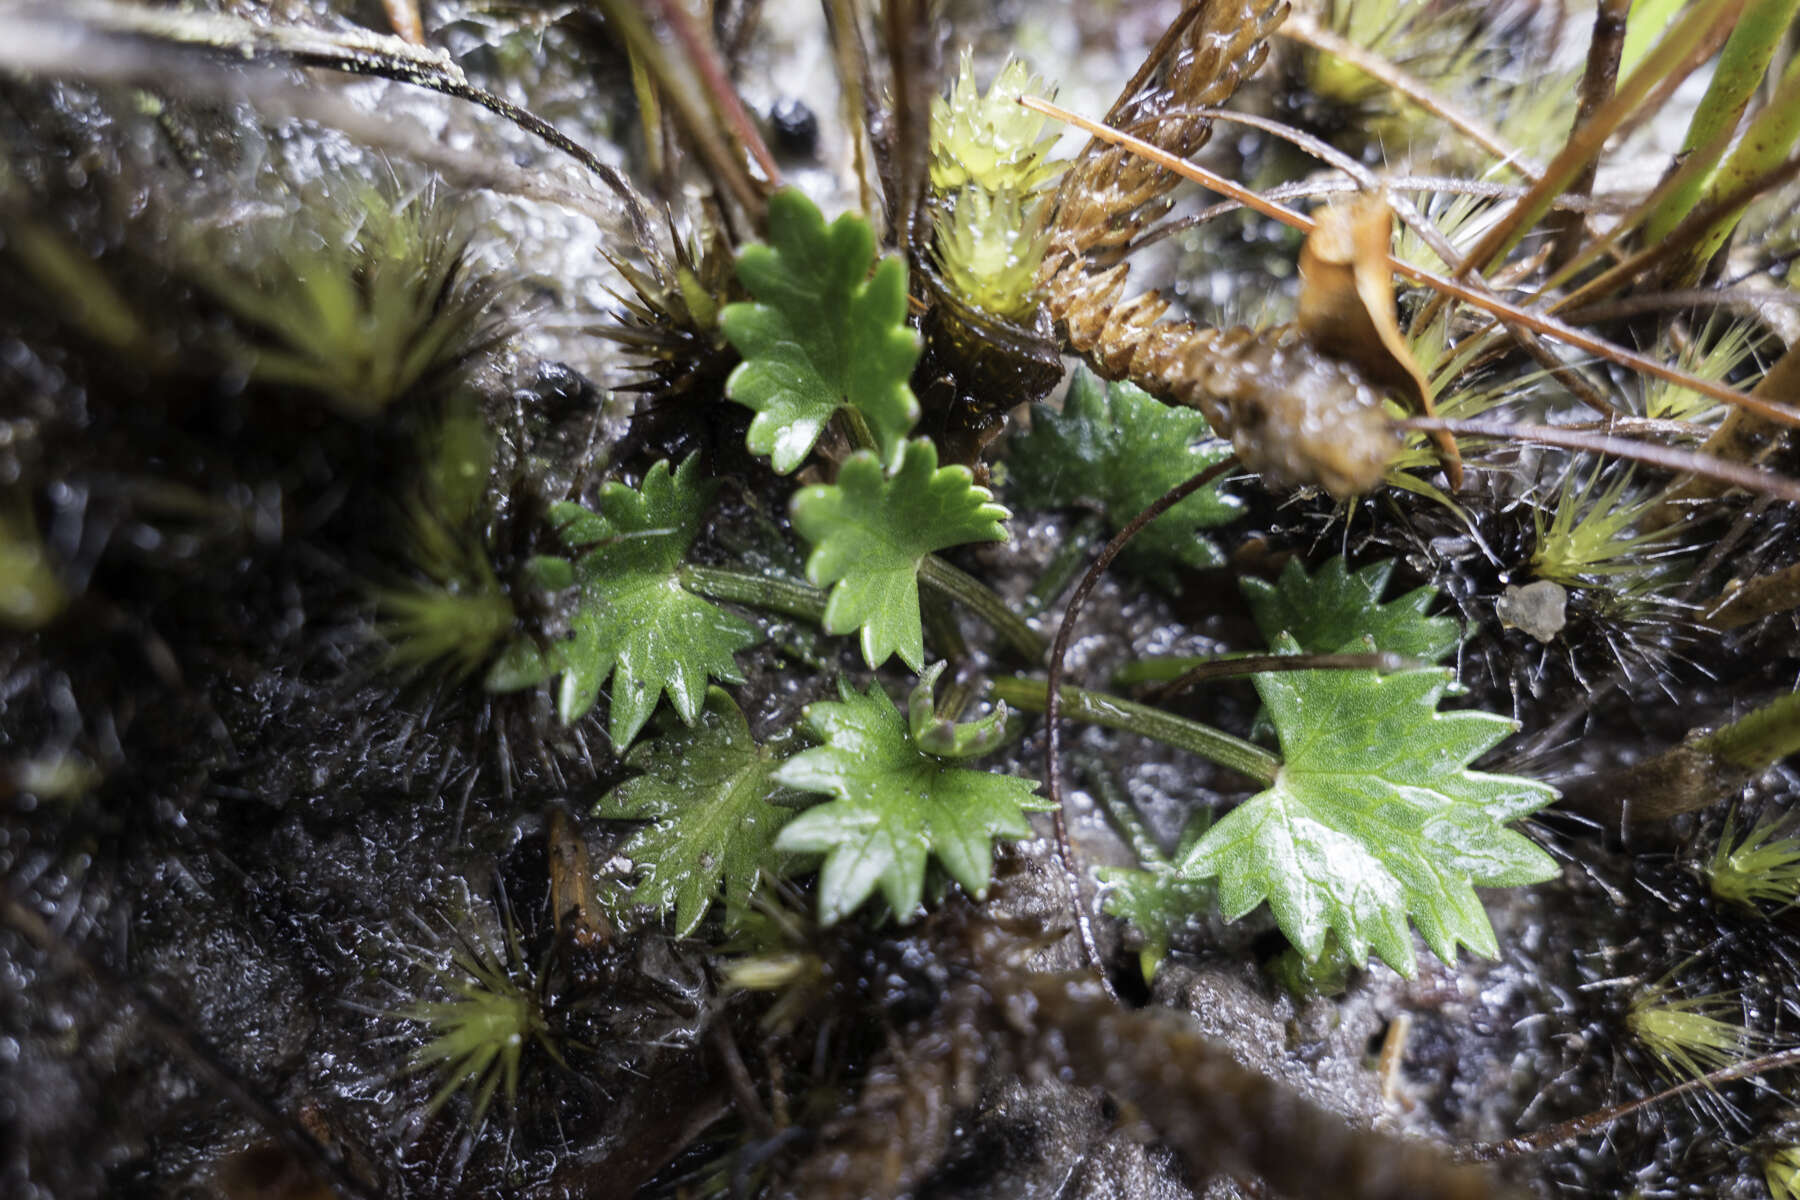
(253, 848)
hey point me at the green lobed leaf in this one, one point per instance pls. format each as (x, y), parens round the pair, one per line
(1374, 817)
(895, 807)
(707, 791)
(1333, 610)
(1116, 446)
(871, 531)
(635, 622)
(821, 333)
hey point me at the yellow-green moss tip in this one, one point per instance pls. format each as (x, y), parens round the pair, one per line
(30, 594)
(454, 627)
(1589, 535)
(989, 246)
(454, 613)
(1713, 355)
(370, 306)
(477, 1037)
(1760, 868)
(990, 141)
(1691, 1035)
(1781, 1171)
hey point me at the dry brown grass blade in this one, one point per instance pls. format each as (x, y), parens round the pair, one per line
(1537, 321)
(1568, 1131)
(1597, 84)
(1681, 51)
(1669, 458)
(1687, 44)
(702, 100)
(1622, 274)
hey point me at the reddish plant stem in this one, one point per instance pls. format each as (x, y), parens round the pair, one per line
(1059, 650)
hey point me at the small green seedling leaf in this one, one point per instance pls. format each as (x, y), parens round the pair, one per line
(871, 531)
(707, 791)
(635, 622)
(821, 333)
(1333, 610)
(523, 664)
(1115, 446)
(1156, 900)
(943, 736)
(1373, 817)
(895, 806)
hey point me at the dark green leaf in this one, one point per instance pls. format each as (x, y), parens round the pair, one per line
(1333, 610)
(822, 333)
(706, 791)
(1115, 446)
(895, 806)
(1156, 900)
(635, 622)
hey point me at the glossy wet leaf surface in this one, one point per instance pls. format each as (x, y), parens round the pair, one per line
(706, 791)
(1333, 611)
(1114, 446)
(894, 808)
(822, 333)
(1374, 818)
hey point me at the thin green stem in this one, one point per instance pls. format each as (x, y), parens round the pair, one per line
(856, 428)
(1162, 669)
(1098, 708)
(758, 591)
(1069, 561)
(985, 603)
(1186, 670)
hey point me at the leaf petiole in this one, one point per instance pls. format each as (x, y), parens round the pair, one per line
(985, 603)
(1098, 708)
(756, 590)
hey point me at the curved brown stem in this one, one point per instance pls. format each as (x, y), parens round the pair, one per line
(1059, 650)
(1568, 1131)
(1669, 458)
